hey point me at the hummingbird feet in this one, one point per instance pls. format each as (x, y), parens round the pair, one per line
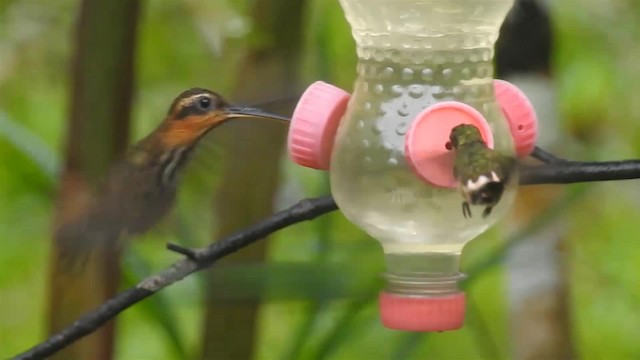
(466, 210)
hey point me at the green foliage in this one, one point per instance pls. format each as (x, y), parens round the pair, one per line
(195, 43)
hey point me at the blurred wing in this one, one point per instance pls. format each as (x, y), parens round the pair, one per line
(91, 232)
(507, 166)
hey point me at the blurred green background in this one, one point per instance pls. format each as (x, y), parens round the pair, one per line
(317, 290)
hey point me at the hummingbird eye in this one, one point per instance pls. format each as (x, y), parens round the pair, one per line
(204, 103)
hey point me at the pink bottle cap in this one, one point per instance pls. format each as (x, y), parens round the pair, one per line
(520, 115)
(314, 124)
(426, 142)
(412, 313)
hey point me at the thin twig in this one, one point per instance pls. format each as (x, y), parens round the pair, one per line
(553, 173)
(189, 253)
(546, 157)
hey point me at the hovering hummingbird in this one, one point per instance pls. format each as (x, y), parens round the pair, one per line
(481, 171)
(141, 188)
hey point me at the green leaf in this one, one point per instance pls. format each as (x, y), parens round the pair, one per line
(31, 145)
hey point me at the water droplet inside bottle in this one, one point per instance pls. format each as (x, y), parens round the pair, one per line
(397, 90)
(378, 89)
(438, 92)
(387, 72)
(416, 91)
(378, 127)
(403, 110)
(427, 74)
(365, 143)
(392, 161)
(447, 73)
(407, 74)
(401, 129)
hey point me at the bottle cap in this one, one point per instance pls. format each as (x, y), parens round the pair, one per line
(520, 114)
(424, 314)
(314, 124)
(426, 141)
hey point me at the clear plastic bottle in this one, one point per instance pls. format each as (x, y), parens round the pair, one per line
(413, 54)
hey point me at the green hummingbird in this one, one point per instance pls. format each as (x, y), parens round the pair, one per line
(481, 171)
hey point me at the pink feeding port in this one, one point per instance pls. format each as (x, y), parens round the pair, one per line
(426, 142)
(314, 124)
(520, 114)
(424, 314)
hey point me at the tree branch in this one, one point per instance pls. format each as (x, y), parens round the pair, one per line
(302, 211)
(575, 172)
(556, 171)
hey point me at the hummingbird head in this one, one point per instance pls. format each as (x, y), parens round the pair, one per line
(196, 111)
(464, 134)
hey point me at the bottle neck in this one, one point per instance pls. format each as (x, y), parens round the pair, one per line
(423, 284)
(423, 273)
(423, 262)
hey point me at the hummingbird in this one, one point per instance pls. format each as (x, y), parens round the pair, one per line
(482, 172)
(140, 189)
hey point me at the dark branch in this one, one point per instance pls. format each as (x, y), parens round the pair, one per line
(304, 210)
(555, 171)
(574, 172)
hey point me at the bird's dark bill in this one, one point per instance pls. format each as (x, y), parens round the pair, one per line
(237, 111)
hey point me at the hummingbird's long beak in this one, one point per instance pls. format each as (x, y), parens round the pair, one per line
(243, 111)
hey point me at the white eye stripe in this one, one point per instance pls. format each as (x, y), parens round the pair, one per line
(194, 101)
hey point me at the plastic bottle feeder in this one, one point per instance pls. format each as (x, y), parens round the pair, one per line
(424, 67)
